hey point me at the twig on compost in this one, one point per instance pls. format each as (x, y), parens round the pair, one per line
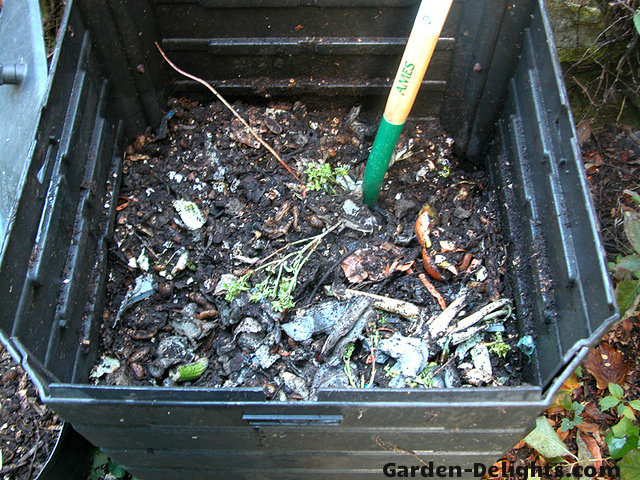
(233, 110)
(391, 305)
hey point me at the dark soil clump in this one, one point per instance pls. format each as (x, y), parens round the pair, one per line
(29, 430)
(221, 260)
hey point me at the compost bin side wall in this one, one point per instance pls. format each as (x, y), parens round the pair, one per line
(54, 235)
(564, 295)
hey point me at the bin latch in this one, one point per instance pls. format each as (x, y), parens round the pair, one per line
(261, 420)
(12, 74)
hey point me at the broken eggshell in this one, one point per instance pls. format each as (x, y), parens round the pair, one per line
(190, 214)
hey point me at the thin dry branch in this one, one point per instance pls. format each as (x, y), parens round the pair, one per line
(233, 110)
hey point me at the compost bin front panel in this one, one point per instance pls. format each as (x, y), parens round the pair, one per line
(155, 437)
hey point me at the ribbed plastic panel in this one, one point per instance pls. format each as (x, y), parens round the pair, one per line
(557, 259)
(48, 265)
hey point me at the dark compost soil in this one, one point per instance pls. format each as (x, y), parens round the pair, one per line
(167, 298)
(28, 429)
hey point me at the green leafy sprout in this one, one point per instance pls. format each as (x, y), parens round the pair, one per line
(236, 287)
(424, 378)
(624, 436)
(322, 176)
(568, 423)
(103, 468)
(498, 346)
(615, 400)
(626, 269)
(281, 275)
(348, 352)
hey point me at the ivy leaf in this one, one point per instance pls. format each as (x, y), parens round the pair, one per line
(632, 224)
(608, 402)
(566, 425)
(636, 21)
(627, 295)
(622, 438)
(545, 440)
(116, 470)
(616, 390)
(577, 407)
(635, 404)
(630, 464)
(100, 459)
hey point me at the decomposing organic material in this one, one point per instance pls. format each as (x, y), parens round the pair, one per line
(190, 372)
(233, 110)
(142, 289)
(282, 274)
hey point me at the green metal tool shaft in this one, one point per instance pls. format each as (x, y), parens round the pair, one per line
(415, 60)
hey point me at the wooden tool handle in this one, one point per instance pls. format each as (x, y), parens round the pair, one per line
(415, 60)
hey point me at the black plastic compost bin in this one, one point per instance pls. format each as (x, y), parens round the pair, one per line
(494, 83)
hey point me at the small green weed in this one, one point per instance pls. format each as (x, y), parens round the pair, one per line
(626, 270)
(322, 176)
(498, 346)
(575, 418)
(103, 468)
(236, 287)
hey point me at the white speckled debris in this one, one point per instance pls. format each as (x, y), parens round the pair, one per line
(190, 214)
(411, 353)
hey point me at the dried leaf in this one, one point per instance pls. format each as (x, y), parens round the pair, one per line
(571, 383)
(588, 427)
(545, 440)
(594, 448)
(606, 365)
(353, 269)
(584, 453)
(584, 131)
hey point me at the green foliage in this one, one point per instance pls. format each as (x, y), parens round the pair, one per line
(322, 176)
(636, 21)
(346, 357)
(545, 440)
(630, 466)
(281, 275)
(498, 346)
(626, 270)
(622, 438)
(424, 378)
(103, 468)
(236, 287)
(615, 400)
(576, 410)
